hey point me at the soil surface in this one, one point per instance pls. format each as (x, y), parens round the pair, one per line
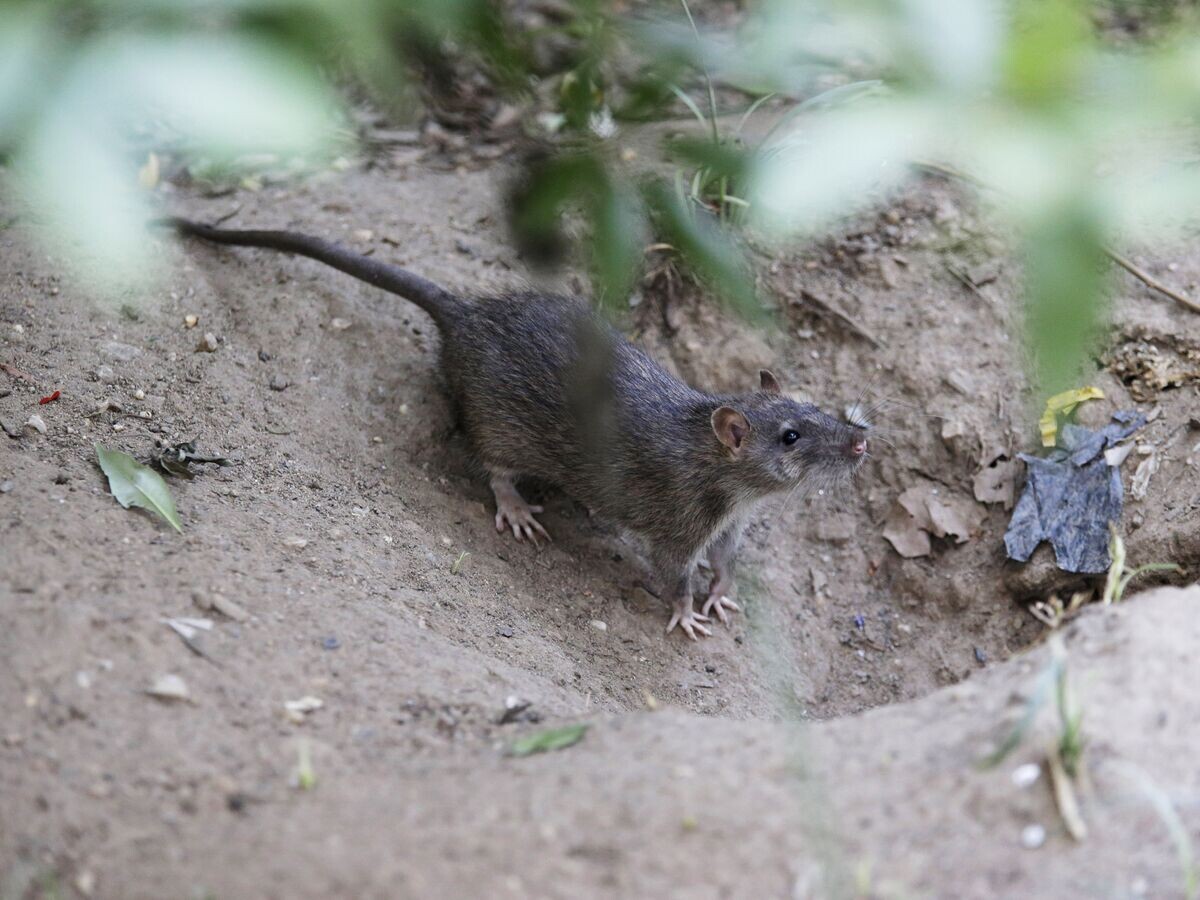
(826, 744)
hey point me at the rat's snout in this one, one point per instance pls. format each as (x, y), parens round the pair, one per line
(858, 447)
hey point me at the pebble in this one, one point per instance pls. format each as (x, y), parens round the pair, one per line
(85, 882)
(6, 486)
(331, 643)
(105, 374)
(36, 423)
(120, 352)
(190, 321)
(208, 344)
(1024, 776)
(139, 394)
(1033, 836)
(340, 324)
(169, 687)
(598, 625)
(229, 609)
(295, 543)
(279, 383)
(297, 710)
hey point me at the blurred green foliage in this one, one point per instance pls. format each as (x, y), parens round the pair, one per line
(1086, 139)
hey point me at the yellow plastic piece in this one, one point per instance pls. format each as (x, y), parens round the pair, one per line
(1065, 404)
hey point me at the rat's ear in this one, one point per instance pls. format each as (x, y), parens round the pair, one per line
(731, 428)
(769, 382)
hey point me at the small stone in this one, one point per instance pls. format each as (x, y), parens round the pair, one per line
(598, 625)
(85, 882)
(120, 352)
(208, 344)
(279, 383)
(330, 643)
(297, 710)
(169, 687)
(191, 321)
(6, 486)
(139, 394)
(1033, 836)
(105, 374)
(366, 235)
(228, 608)
(377, 440)
(340, 324)
(1026, 775)
(295, 543)
(35, 422)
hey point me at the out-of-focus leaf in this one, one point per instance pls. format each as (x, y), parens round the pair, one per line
(817, 171)
(956, 44)
(551, 739)
(721, 159)
(231, 94)
(537, 203)
(1046, 53)
(706, 248)
(70, 169)
(133, 484)
(28, 54)
(618, 229)
(1065, 267)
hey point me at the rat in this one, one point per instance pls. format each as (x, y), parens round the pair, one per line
(544, 387)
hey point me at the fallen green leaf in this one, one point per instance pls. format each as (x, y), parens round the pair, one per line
(133, 484)
(553, 739)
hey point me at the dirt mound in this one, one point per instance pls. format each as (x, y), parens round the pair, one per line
(362, 549)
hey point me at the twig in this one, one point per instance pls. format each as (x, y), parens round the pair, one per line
(829, 309)
(966, 282)
(1140, 274)
(1150, 281)
(12, 370)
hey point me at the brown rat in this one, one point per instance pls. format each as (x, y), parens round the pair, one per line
(544, 387)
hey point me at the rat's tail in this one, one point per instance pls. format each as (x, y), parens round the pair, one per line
(437, 301)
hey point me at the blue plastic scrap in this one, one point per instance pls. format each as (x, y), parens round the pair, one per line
(1071, 496)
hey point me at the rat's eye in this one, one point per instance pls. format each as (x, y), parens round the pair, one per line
(790, 437)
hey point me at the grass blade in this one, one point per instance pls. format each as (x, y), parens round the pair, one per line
(553, 739)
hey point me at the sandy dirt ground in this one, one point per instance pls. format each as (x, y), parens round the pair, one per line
(825, 745)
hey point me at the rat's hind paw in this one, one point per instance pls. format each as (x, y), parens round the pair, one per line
(689, 622)
(519, 518)
(720, 603)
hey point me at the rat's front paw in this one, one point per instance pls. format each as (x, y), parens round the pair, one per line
(688, 621)
(519, 516)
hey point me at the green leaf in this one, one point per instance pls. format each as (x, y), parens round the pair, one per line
(136, 485)
(705, 247)
(616, 246)
(553, 739)
(1066, 280)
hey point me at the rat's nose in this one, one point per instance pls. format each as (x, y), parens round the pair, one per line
(859, 447)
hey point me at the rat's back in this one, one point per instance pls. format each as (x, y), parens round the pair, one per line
(547, 388)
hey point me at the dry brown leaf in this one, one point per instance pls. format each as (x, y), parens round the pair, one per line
(905, 535)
